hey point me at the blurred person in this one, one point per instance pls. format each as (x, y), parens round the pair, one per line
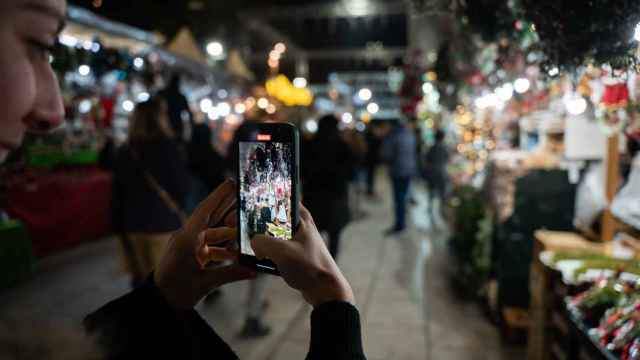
(150, 174)
(107, 153)
(178, 107)
(157, 320)
(435, 171)
(399, 153)
(372, 159)
(358, 147)
(327, 164)
(206, 165)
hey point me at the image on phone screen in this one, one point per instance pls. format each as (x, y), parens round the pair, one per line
(265, 191)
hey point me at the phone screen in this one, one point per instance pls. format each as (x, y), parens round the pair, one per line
(265, 171)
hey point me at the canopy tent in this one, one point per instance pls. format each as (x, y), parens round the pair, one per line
(183, 44)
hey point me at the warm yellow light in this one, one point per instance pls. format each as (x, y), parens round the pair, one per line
(263, 103)
(271, 109)
(280, 47)
(250, 102)
(468, 136)
(432, 76)
(274, 55)
(282, 89)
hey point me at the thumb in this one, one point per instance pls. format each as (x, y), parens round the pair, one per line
(269, 247)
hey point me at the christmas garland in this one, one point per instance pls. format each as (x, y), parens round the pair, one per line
(572, 33)
(569, 33)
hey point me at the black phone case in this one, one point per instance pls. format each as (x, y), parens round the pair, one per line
(282, 132)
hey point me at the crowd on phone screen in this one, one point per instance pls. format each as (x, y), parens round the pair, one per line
(265, 182)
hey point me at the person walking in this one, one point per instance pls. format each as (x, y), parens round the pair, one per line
(372, 158)
(399, 153)
(206, 165)
(328, 165)
(435, 171)
(150, 185)
(178, 108)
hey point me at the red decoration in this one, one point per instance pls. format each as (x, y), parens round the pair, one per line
(615, 95)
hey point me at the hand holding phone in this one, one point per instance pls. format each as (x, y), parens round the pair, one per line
(305, 263)
(182, 275)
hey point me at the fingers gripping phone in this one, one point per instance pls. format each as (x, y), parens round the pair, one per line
(268, 162)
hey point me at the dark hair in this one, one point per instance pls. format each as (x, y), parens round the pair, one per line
(327, 126)
(145, 121)
(439, 135)
(174, 82)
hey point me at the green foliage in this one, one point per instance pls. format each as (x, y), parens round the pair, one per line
(471, 237)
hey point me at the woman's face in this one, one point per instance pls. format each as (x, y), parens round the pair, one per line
(30, 95)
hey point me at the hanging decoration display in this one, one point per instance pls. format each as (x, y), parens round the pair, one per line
(611, 113)
(281, 88)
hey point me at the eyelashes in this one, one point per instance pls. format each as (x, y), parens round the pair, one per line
(41, 50)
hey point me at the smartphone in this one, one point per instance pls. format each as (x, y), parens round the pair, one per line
(268, 163)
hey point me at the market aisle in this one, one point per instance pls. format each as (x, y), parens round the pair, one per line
(400, 284)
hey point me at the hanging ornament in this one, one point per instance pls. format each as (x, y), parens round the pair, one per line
(611, 113)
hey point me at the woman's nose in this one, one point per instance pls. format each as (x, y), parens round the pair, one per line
(48, 110)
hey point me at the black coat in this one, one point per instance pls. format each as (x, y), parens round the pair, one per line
(176, 105)
(204, 162)
(137, 207)
(327, 168)
(142, 325)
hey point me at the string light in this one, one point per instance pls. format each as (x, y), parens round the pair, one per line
(427, 88)
(280, 47)
(311, 126)
(575, 104)
(215, 49)
(263, 103)
(84, 106)
(240, 108)
(300, 82)
(224, 109)
(84, 70)
(206, 105)
(143, 96)
(128, 105)
(522, 85)
(505, 92)
(373, 108)
(365, 94)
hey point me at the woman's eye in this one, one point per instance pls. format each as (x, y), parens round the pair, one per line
(41, 50)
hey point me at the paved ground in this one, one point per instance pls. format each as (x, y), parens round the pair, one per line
(407, 307)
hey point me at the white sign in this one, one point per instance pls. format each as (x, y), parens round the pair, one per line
(583, 139)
